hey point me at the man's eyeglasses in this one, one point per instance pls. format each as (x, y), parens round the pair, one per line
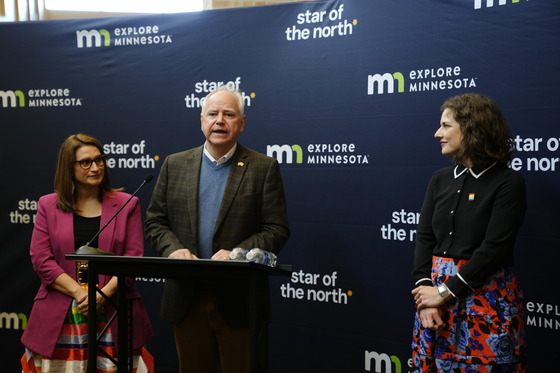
(86, 163)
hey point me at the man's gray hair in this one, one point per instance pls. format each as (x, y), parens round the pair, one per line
(226, 88)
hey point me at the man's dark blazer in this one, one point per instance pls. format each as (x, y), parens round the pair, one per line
(253, 214)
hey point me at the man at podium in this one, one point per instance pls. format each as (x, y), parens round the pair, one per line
(207, 201)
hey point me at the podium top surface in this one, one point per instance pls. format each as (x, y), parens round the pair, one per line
(167, 267)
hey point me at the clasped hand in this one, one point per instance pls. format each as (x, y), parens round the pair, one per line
(428, 301)
(83, 304)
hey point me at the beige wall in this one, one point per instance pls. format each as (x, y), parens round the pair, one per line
(216, 4)
(208, 4)
(30, 10)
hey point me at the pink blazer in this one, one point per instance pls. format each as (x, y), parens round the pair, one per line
(52, 239)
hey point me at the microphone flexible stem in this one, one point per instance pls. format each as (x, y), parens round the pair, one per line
(146, 180)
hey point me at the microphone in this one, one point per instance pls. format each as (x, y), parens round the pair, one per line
(88, 250)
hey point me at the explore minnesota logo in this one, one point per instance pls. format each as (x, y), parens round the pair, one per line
(122, 36)
(318, 154)
(38, 98)
(420, 80)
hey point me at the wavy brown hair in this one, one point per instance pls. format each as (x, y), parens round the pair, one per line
(486, 134)
(64, 181)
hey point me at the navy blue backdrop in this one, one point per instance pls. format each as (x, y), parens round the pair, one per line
(346, 95)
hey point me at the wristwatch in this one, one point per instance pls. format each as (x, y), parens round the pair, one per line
(443, 290)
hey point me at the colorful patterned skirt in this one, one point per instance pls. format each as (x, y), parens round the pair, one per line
(71, 350)
(483, 332)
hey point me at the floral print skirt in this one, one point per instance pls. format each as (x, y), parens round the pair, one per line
(483, 332)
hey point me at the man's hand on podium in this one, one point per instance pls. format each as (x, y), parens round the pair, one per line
(182, 254)
(221, 255)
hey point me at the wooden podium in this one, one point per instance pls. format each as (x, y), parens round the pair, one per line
(157, 267)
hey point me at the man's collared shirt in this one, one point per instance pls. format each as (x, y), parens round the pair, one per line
(223, 159)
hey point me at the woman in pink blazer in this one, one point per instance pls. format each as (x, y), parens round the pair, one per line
(56, 334)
